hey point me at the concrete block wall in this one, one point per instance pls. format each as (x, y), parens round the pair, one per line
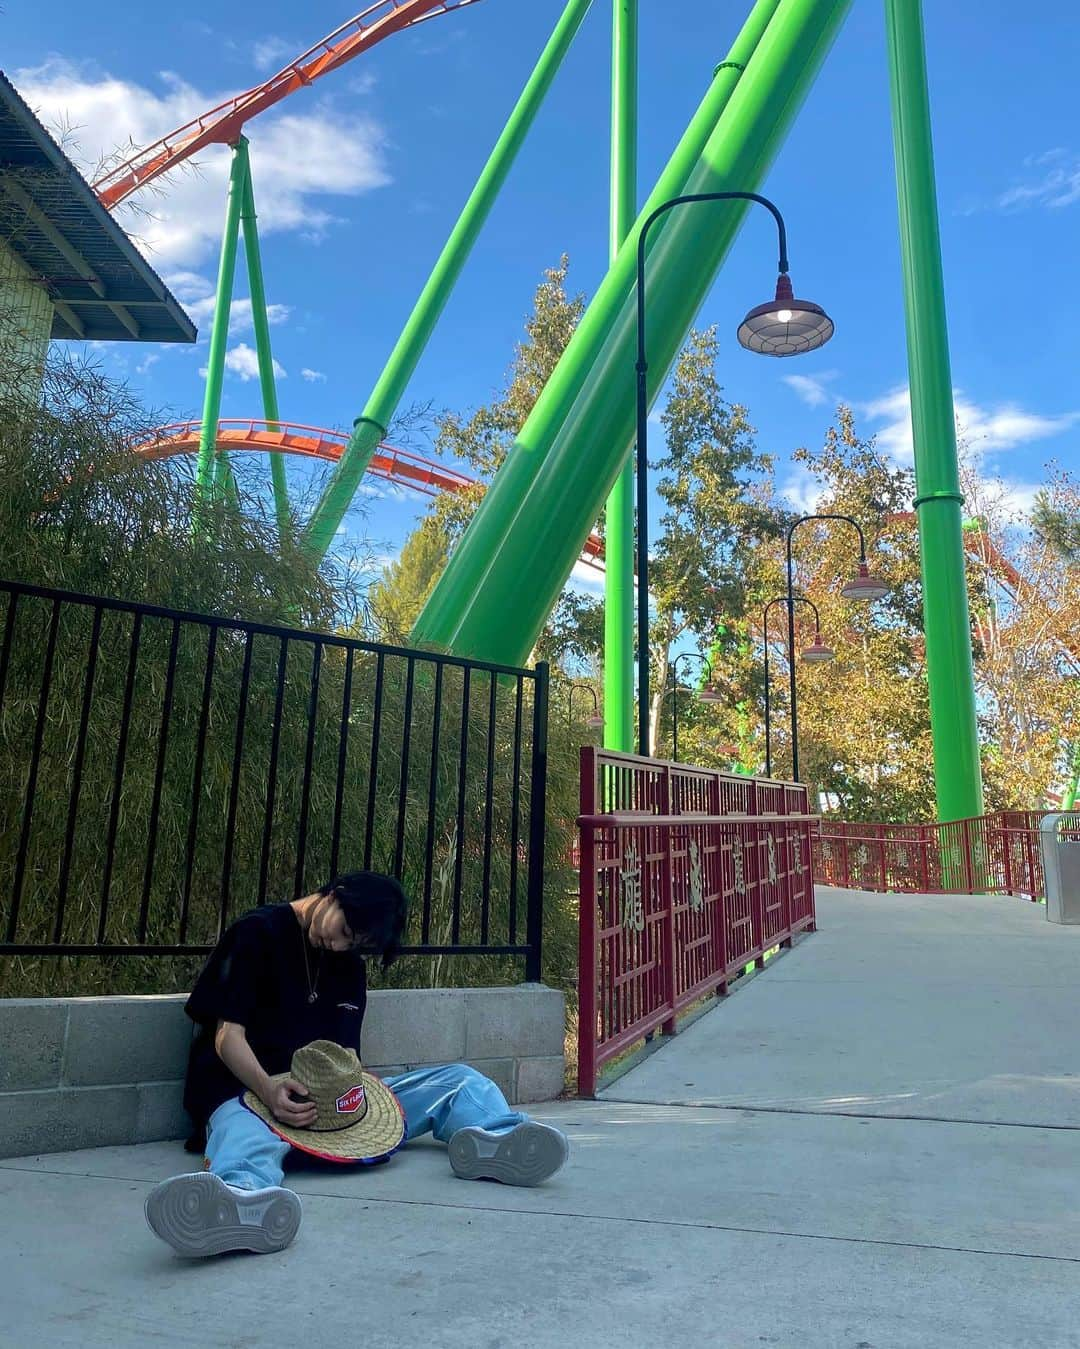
(93, 1072)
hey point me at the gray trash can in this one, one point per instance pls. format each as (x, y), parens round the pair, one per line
(1061, 866)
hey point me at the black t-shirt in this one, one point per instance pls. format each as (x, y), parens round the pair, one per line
(256, 977)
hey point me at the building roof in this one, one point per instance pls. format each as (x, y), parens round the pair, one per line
(101, 287)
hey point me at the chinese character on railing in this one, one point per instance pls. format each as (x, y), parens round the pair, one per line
(862, 854)
(796, 841)
(633, 905)
(737, 858)
(770, 847)
(697, 887)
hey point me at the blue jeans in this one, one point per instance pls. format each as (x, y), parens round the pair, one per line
(244, 1152)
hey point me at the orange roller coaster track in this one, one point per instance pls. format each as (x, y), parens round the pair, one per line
(402, 467)
(223, 125)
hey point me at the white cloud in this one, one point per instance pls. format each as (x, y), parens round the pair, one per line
(313, 376)
(243, 361)
(188, 287)
(270, 54)
(895, 436)
(299, 159)
(802, 490)
(240, 318)
(1018, 498)
(1055, 184)
(811, 389)
(364, 82)
(983, 428)
(196, 293)
(586, 578)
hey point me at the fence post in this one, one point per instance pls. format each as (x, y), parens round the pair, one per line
(537, 826)
(720, 911)
(1006, 851)
(667, 894)
(809, 836)
(1032, 890)
(586, 1066)
(924, 858)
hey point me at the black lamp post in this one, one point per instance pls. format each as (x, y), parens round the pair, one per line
(862, 586)
(706, 695)
(816, 653)
(596, 721)
(784, 326)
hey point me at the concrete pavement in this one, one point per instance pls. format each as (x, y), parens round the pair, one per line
(784, 1197)
(943, 1007)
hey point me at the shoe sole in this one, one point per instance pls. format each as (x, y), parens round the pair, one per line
(200, 1215)
(527, 1155)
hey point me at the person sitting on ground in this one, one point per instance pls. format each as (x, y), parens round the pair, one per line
(292, 977)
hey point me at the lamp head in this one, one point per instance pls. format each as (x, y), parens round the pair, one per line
(594, 721)
(817, 653)
(863, 586)
(710, 694)
(785, 326)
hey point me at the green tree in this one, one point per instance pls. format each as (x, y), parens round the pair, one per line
(396, 598)
(1026, 617)
(1055, 518)
(864, 724)
(717, 510)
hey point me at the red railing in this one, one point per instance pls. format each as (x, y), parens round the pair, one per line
(687, 876)
(994, 854)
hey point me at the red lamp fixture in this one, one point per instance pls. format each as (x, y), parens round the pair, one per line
(785, 326)
(863, 586)
(594, 722)
(710, 694)
(817, 653)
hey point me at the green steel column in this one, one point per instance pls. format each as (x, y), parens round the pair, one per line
(514, 559)
(225, 488)
(619, 512)
(937, 480)
(371, 426)
(219, 331)
(495, 517)
(262, 344)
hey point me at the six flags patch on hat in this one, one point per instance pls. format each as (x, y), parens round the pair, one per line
(359, 1118)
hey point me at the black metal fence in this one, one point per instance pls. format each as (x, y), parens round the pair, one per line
(161, 772)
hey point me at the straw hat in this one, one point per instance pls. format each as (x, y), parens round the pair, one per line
(359, 1118)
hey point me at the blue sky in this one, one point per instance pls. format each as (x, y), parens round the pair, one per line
(359, 179)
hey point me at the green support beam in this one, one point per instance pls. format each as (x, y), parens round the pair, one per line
(219, 332)
(619, 512)
(507, 571)
(939, 502)
(371, 426)
(263, 350)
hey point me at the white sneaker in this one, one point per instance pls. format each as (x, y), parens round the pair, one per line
(525, 1155)
(199, 1215)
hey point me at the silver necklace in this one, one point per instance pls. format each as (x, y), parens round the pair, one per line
(313, 989)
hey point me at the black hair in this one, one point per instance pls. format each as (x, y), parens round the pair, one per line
(375, 905)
